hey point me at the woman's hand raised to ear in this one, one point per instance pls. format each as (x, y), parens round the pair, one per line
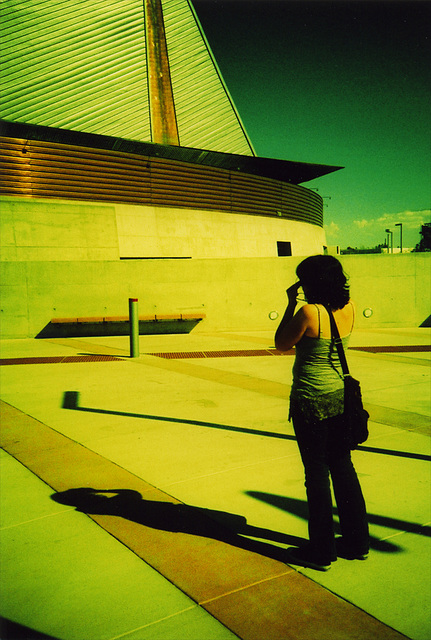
(292, 291)
(292, 326)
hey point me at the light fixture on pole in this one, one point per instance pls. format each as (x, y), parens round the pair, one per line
(392, 240)
(400, 225)
(387, 241)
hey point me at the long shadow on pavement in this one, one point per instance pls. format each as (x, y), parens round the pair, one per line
(168, 516)
(10, 630)
(71, 401)
(219, 525)
(299, 509)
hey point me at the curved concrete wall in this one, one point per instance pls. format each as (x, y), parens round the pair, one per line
(194, 233)
(74, 202)
(52, 229)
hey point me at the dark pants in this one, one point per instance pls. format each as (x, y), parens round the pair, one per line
(322, 456)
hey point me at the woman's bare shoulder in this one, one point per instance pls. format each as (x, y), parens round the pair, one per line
(310, 314)
(308, 311)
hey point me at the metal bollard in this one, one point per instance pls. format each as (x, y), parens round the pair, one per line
(134, 327)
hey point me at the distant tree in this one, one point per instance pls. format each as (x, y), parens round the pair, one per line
(355, 250)
(425, 242)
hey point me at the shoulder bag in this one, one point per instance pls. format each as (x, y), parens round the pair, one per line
(356, 417)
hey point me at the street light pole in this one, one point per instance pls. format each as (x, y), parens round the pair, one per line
(400, 225)
(392, 240)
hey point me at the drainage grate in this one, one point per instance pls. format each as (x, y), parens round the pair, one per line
(235, 353)
(241, 353)
(174, 355)
(30, 360)
(58, 359)
(412, 348)
(180, 355)
(95, 358)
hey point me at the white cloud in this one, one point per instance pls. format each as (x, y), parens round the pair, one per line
(411, 219)
(361, 224)
(370, 232)
(332, 230)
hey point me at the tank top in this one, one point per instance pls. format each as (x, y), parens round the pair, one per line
(317, 386)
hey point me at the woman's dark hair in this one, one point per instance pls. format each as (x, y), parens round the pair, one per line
(324, 281)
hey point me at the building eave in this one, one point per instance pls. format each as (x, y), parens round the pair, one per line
(284, 170)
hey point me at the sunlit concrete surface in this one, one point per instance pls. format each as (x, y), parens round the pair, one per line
(198, 489)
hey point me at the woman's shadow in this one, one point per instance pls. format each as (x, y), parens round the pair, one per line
(219, 525)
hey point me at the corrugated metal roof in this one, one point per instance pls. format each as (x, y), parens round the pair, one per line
(76, 65)
(83, 66)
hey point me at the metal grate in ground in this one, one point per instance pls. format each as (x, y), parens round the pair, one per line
(58, 359)
(232, 353)
(240, 353)
(180, 355)
(407, 348)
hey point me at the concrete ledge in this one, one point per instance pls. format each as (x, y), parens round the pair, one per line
(145, 318)
(75, 327)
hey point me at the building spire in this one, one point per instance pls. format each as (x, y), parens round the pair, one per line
(164, 128)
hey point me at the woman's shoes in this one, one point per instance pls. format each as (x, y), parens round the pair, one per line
(305, 557)
(347, 552)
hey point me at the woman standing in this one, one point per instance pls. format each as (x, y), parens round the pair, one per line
(316, 407)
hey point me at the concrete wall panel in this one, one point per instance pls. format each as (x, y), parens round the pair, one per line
(235, 294)
(396, 287)
(44, 230)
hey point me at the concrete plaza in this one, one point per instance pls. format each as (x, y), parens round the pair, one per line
(153, 498)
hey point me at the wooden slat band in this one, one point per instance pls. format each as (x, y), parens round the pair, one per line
(54, 170)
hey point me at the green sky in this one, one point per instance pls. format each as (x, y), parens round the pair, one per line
(343, 83)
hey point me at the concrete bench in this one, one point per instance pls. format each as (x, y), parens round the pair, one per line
(119, 325)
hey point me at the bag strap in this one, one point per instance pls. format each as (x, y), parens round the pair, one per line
(338, 342)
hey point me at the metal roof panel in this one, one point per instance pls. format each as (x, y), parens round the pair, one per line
(83, 66)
